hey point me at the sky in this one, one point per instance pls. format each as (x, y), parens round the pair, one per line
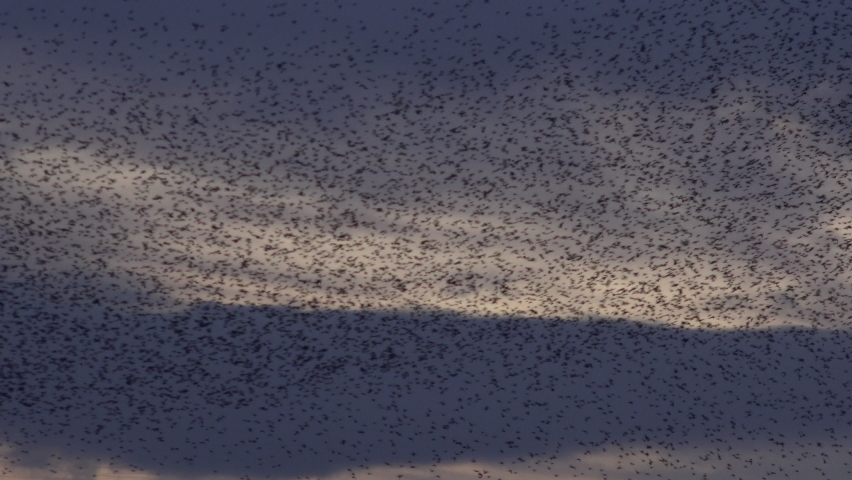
(318, 172)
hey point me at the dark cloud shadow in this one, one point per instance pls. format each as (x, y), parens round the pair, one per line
(257, 391)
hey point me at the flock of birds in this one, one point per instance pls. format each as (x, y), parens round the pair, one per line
(479, 239)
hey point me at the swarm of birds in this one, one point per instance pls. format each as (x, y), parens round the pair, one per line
(480, 239)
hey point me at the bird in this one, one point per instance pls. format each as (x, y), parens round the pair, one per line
(298, 240)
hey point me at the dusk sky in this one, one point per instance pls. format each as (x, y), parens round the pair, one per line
(482, 239)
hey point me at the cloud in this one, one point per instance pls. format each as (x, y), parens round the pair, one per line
(223, 390)
(656, 209)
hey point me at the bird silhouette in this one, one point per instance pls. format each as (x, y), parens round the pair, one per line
(456, 239)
